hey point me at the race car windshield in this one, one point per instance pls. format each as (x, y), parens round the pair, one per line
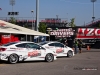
(11, 43)
(43, 43)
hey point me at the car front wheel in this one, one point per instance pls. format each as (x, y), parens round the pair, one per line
(49, 58)
(13, 58)
(69, 54)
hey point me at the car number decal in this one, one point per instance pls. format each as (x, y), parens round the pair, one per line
(60, 50)
(34, 53)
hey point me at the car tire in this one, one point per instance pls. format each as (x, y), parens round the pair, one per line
(70, 54)
(13, 58)
(49, 58)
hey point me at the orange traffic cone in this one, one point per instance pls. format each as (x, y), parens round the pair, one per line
(88, 47)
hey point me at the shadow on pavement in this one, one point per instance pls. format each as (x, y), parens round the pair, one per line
(3, 62)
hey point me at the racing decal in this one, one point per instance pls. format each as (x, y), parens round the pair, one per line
(34, 53)
(60, 50)
(17, 48)
(12, 48)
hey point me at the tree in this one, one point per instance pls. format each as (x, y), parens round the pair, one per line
(42, 27)
(72, 22)
(25, 25)
(12, 20)
(99, 25)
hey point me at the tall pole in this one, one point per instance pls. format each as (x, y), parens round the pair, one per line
(37, 14)
(93, 9)
(12, 2)
(57, 16)
(93, 12)
(84, 23)
(67, 17)
(57, 19)
(32, 19)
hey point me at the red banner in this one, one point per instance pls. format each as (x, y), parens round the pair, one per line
(88, 33)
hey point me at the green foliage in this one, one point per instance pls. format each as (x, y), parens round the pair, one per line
(26, 25)
(99, 25)
(42, 27)
(72, 22)
(12, 20)
(56, 28)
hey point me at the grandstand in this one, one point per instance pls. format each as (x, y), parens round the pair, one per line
(95, 23)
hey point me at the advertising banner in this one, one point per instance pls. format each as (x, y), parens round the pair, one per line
(61, 32)
(88, 33)
(76, 32)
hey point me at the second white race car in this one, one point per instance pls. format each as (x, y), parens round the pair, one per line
(58, 48)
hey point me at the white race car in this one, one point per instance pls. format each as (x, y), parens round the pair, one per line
(25, 51)
(58, 48)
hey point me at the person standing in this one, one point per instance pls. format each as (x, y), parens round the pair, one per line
(75, 46)
(66, 43)
(80, 46)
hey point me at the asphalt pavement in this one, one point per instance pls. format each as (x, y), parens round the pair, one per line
(85, 63)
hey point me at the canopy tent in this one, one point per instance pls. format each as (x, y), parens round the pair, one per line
(6, 27)
(12, 32)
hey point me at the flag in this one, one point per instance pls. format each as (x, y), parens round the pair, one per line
(0, 9)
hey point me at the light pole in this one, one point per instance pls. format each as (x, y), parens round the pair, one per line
(93, 9)
(32, 11)
(67, 17)
(37, 14)
(12, 2)
(57, 18)
(49, 29)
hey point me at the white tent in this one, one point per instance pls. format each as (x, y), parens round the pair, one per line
(7, 31)
(6, 27)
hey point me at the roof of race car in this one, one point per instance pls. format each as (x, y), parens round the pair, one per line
(46, 42)
(16, 42)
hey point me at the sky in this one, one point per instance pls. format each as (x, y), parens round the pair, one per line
(81, 10)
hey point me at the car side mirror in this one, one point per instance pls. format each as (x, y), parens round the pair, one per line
(66, 46)
(41, 48)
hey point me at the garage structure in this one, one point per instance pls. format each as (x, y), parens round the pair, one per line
(11, 31)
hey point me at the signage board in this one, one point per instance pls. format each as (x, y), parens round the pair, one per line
(78, 32)
(88, 33)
